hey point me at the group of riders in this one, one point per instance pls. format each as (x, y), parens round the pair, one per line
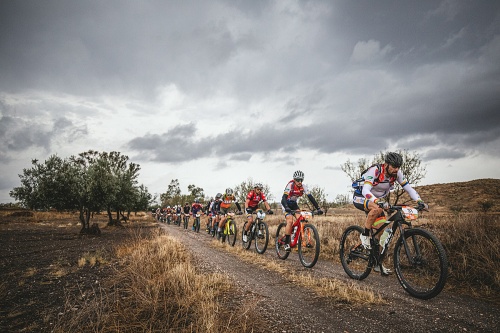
(376, 183)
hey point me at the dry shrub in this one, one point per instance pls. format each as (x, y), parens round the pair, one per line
(472, 243)
(157, 289)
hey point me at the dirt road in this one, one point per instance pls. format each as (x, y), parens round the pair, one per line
(289, 308)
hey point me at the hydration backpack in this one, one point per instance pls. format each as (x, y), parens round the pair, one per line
(357, 185)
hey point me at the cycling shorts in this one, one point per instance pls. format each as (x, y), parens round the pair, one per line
(360, 202)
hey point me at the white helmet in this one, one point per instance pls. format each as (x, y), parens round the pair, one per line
(298, 175)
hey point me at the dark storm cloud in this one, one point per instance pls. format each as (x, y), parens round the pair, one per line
(19, 134)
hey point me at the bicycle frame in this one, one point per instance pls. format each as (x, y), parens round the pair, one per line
(229, 218)
(398, 222)
(299, 223)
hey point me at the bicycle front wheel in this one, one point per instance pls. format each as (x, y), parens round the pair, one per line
(246, 245)
(353, 256)
(309, 246)
(261, 237)
(280, 242)
(420, 263)
(231, 232)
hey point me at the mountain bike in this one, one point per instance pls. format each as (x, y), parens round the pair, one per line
(169, 218)
(258, 232)
(420, 260)
(209, 223)
(185, 219)
(178, 219)
(196, 223)
(305, 236)
(230, 230)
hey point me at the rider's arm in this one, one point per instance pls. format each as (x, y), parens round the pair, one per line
(407, 187)
(369, 176)
(313, 201)
(283, 201)
(238, 206)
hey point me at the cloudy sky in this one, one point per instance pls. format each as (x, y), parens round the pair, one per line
(216, 92)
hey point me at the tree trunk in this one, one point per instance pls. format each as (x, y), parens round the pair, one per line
(110, 216)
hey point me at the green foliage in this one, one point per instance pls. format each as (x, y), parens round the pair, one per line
(412, 169)
(90, 182)
(319, 194)
(241, 190)
(173, 196)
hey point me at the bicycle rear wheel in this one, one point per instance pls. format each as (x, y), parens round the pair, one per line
(353, 256)
(246, 245)
(231, 232)
(261, 237)
(421, 266)
(309, 246)
(280, 242)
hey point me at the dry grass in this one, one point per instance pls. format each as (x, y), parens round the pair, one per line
(471, 241)
(336, 290)
(156, 289)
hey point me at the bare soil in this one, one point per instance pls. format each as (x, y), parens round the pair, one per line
(39, 270)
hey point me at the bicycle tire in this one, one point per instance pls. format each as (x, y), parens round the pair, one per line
(232, 232)
(354, 257)
(309, 246)
(186, 222)
(214, 231)
(261, 241)
(424, 274)
(197, 227)
(246, 245)
(280, 241)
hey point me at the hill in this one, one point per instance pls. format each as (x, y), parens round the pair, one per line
(462, 196)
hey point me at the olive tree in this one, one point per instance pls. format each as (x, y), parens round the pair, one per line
(89, 182)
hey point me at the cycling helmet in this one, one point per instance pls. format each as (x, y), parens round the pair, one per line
(298, 175)
(168, 207)
(197, 200)
(258, 185)
(394, 159)
(229, 191)
(218, 196)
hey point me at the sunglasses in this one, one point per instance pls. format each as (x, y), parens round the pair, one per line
(299, 180)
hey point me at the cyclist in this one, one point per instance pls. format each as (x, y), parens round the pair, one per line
(293, 190)
(158, 213)
(169, 212)
(186, 209)
(379, 179)
(208, 212)
(214, 209)
(195, 208)
(177, 214)
(227, 199)
(254, 197)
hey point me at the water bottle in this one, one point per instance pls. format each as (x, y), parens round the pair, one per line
(294, 231)
(385, 237)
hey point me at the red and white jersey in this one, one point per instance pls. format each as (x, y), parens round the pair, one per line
(254, 199)
(293, 192)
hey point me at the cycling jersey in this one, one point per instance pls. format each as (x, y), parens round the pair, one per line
(227, 200)
(215, 207)
(196, 207)
(254, 199)
(186, 209)
(293, 192)
(378, 185)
